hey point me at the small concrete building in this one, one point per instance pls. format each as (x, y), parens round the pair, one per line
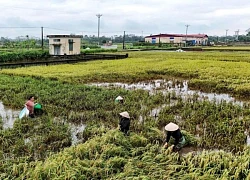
(64, 44)
(193, 39)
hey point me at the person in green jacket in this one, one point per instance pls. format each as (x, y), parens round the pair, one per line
(119, 99)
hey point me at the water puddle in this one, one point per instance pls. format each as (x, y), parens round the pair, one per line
(248, 140)
(155, 112)
(27, 141)
(75, 129)
(164, 86)
(196, 150)
(8, 116)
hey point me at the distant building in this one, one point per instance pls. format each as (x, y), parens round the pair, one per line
(193, 39)
(64, 44)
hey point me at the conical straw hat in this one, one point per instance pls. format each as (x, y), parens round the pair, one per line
(171, 127)
(119, 98)
(125, 114)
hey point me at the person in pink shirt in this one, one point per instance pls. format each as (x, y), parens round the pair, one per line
(30, 106)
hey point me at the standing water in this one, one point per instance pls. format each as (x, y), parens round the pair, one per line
(179, 88)
(248, 140)
(75, 129)
(8, 116)
(164, 86)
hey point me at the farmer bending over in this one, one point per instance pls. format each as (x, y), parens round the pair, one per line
(124, 122)
(30, 106)
(174, 131)
(119, 99)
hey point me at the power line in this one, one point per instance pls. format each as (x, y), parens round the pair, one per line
(18, 27)
(37, 9)
(68, 30)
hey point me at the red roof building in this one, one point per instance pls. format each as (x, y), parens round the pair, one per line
(194, 39)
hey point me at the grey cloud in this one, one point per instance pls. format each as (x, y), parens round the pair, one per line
(158, 16)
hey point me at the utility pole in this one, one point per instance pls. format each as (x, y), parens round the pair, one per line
(159, 45)
(99, 16)
(123, 41)
(226, 36)
(28, 44)
(187, 25)
(42, 36)
(237, 35)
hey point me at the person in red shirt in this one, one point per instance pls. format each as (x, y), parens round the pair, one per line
(30, 106)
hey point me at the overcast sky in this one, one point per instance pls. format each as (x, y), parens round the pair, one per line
(140, 17)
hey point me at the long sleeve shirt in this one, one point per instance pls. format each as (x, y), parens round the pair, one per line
(124, 124)
(175, 134)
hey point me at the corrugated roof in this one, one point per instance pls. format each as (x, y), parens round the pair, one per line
(179, 35)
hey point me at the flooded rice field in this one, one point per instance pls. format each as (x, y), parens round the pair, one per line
(181, 89)
(164, 86)
(8, 116)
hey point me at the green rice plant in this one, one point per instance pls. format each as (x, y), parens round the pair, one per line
(207, 71)
(137, 141)
(151, 162)
(41, 148)
(1, 123)
(190, 139)
(153, 134)
(90, 51)
(18, 56)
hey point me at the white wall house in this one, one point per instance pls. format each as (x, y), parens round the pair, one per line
(64, 44)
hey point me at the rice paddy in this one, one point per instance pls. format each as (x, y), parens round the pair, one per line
(216, 127)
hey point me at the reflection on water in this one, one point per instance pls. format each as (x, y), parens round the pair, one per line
(75, 129)
(155, 112)
(8, 116)
(180, 88)
(248, 140)
(27, 141)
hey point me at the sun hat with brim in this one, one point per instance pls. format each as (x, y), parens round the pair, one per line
(119, 98)
(171, 127)
(125, 114)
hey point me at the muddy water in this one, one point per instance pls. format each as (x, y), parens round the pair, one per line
(196, 151)
(75, 129)
(180, 89)
(248, 140)
(8, 116)
(164, 86)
